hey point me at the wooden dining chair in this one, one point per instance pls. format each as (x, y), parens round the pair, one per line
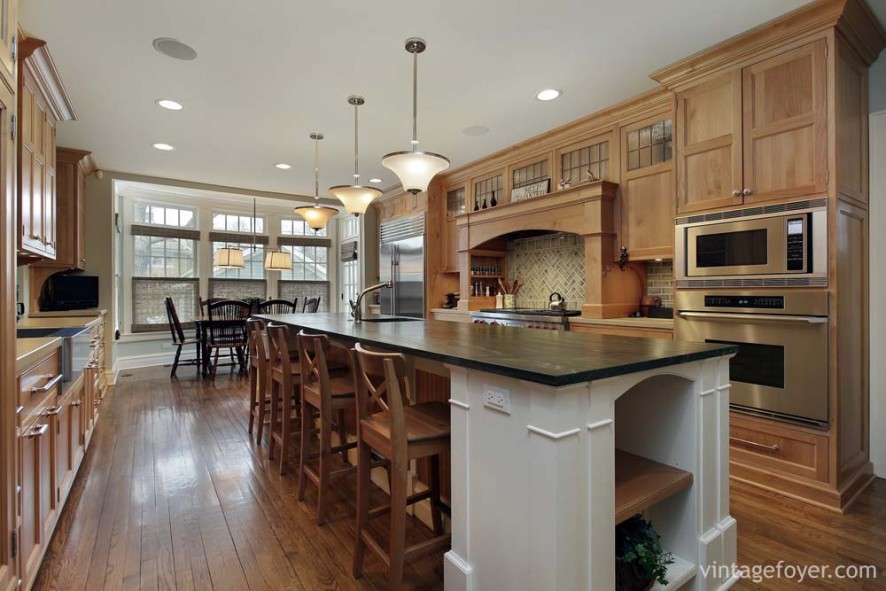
(285, 381)
(328, 395)
(226, 329)
(180, 341)
(311, 305)
(388, 426)
(259, 375)
(204, 304)
(278, 307)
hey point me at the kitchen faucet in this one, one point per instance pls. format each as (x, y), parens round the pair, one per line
(357, 307)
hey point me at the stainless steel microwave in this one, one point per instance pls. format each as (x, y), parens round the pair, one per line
(778, 245)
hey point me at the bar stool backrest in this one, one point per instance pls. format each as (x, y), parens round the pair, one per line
(257, 339)
(278, 345)
(312, 350)
(382, 385)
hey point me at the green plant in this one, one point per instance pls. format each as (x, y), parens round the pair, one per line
(638, 544)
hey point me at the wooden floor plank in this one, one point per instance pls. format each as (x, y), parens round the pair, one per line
(174, 494)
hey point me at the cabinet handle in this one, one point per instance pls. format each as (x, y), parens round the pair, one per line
(773, 448)
(747, 192)
(82, 261)
(52, 411)
(98, 402)
(48, 385)
(736, 192)
(19, 409)
(38, 430)
(76, 403)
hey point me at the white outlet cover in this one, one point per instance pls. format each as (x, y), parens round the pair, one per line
(497, 399)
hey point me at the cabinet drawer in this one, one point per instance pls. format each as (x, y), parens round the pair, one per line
(42, 381)
(779, 447)
(622, 331)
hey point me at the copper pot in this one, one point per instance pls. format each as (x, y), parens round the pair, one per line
(647, 302)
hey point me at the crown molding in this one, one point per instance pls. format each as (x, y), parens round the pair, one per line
(35, 57)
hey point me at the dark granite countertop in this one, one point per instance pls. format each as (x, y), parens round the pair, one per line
(543, 356)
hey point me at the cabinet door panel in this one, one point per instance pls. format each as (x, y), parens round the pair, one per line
(785, 124)
(709, 144)
(36, 493)
(648, 214)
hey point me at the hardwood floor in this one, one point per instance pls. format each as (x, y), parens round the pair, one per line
(173, 495)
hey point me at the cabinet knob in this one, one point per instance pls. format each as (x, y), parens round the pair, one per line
(736, 192)
(747, 192)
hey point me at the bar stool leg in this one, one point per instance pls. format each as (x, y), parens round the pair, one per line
(325, 457)
(285, 423)
(364, 459)
(342, 431)
(262, 404)
(275, 400)
(307, 426)
(436, 514)
(253, 397)
(398, 524)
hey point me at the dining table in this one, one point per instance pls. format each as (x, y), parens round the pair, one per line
(201, 325)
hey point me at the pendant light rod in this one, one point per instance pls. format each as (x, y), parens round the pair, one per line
(253, 226)
(415, 46)
(356, 101)
(316, 136)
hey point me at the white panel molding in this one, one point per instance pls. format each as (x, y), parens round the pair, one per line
(553, 436)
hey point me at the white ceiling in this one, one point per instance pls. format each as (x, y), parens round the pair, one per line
(270, 71)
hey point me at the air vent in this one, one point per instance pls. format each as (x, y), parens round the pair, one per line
(772, 282)
(752, 211)
(403, 228)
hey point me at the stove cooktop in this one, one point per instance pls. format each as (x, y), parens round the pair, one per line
(532, 312)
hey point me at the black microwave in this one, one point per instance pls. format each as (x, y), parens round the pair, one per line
(69, 292)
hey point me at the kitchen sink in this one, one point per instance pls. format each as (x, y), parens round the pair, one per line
(391, 319)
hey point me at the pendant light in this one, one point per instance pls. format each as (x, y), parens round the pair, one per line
(316, 216)
(355, 198)
(231, 257)
(415, 168)
(276, 260)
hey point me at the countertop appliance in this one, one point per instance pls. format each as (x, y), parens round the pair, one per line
(76, 347)
(402, 262)
(525, 318)
(782, 245)
(69, 292)
(781, 368)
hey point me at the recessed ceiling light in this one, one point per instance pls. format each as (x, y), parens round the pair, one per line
(164, 147)
(283, 166)
(376, 181)
(475, 130)
(168, 104)
(174, 48)
(548, 94)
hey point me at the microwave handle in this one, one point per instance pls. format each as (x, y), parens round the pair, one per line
(758, 317)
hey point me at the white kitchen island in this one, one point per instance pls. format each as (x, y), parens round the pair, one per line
(557, 435)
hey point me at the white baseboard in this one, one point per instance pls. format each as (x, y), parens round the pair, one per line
(112, 374)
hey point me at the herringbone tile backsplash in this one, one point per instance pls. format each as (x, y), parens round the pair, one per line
(547, 264)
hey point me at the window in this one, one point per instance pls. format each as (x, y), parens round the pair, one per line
(253, 257)
(159, 215)
(237, 223)
(164, 264)
(585, 163)
(159, 256)
(298, 227)
(309, 263)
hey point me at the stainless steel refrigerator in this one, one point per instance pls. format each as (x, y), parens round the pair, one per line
(402, 261)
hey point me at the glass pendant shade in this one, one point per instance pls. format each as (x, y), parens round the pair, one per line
(316, 216)
(229, 258)
(277, 260)
(415, 169)
(355, 198)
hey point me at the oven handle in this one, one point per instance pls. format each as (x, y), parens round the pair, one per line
(757, 317)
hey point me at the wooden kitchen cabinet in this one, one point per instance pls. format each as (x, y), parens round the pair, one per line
(72, 168)
(42, 103)
(755, 134)
(647, 188)
(8, 39)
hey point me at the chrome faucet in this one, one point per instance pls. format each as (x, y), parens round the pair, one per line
(357, 307)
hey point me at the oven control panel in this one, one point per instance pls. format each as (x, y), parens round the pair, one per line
(759, 302)
(796, 244)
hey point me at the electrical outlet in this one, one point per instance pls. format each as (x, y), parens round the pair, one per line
(497, 399)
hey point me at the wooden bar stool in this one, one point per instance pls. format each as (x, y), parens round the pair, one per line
(390, 427)
(329, 396)
(259, 375)
(285, 379)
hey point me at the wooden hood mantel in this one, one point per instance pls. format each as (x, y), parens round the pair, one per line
(584, 210)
